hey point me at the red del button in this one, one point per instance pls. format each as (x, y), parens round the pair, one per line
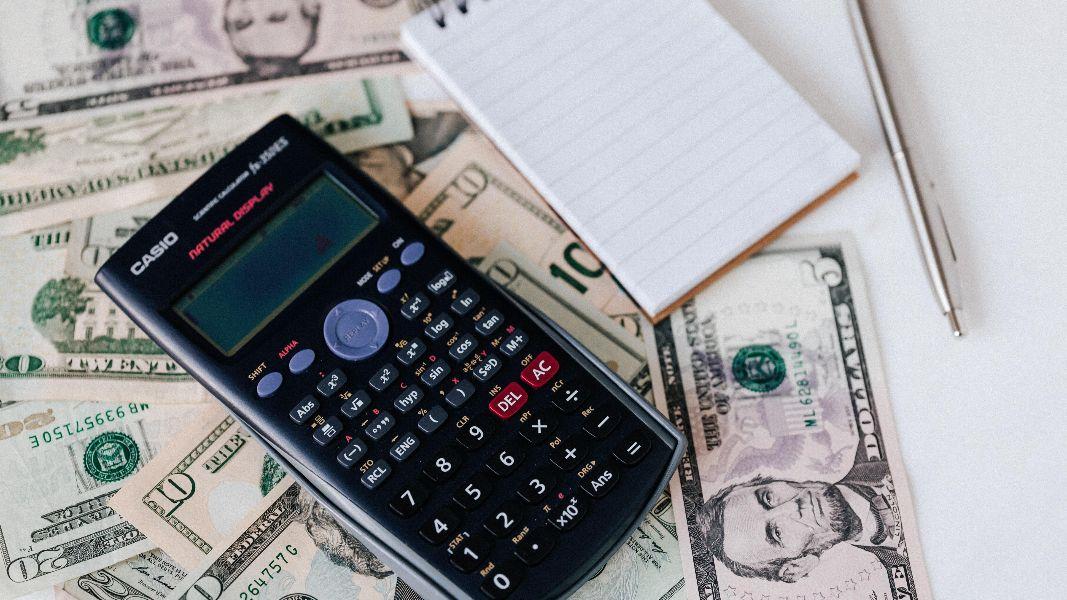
(541, 370)
(509, 401)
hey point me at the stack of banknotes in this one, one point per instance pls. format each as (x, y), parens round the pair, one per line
(121, 478)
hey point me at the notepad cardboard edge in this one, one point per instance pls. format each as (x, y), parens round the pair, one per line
(762, 243)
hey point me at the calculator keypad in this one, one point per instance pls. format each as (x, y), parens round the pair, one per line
(485, 441)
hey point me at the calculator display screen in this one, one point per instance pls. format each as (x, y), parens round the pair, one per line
(236, 299)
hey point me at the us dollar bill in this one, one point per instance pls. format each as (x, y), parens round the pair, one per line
(82, 56)
(792, 485)
(59, 332)
(87, 164)
(193, 495)
(146, 576)
(620, 350)
(648, 567)
(474, 199)
(402, 166)
(290, 546)
(62, 462)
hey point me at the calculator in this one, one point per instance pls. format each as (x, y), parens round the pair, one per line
(462, 436)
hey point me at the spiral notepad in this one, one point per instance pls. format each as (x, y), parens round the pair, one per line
(652, 128)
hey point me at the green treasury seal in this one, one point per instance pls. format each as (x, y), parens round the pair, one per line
(111, 456)
(111, 28)
(759, 368)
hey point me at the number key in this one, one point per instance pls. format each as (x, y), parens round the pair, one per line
(504, 519)
(472, 495)
(410, 499)
(505, 460)
(443, 465)
(476, 432)
(534, 489)
(440, 527)
(472, 552)
(536, 545)
(502, 580)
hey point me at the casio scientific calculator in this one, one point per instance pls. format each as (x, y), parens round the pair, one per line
(467, 440)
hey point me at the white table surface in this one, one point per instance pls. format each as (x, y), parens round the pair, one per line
(983, 91)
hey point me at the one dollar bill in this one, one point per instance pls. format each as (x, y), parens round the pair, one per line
(89, 163)
(62, 461)
(792, 485)
(61, 57)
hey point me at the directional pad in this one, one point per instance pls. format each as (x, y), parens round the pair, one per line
(355, 329)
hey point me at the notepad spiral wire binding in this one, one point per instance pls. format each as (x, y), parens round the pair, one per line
(438, 12)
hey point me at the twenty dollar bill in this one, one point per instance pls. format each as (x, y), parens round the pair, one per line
(792, 485)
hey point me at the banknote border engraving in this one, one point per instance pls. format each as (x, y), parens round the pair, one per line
(198, 542)
(27, 109)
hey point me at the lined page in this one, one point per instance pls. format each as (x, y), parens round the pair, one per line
(655, 131)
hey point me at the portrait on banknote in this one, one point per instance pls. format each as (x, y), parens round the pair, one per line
(791, 485)
(342, 548)
(778, 530)
(271, 36)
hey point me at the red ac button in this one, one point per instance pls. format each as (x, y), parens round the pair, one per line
(541, 370)
(508, 401)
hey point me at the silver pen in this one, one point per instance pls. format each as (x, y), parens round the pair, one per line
(926, 215)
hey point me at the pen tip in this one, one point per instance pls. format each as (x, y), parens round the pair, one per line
(954, 322)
